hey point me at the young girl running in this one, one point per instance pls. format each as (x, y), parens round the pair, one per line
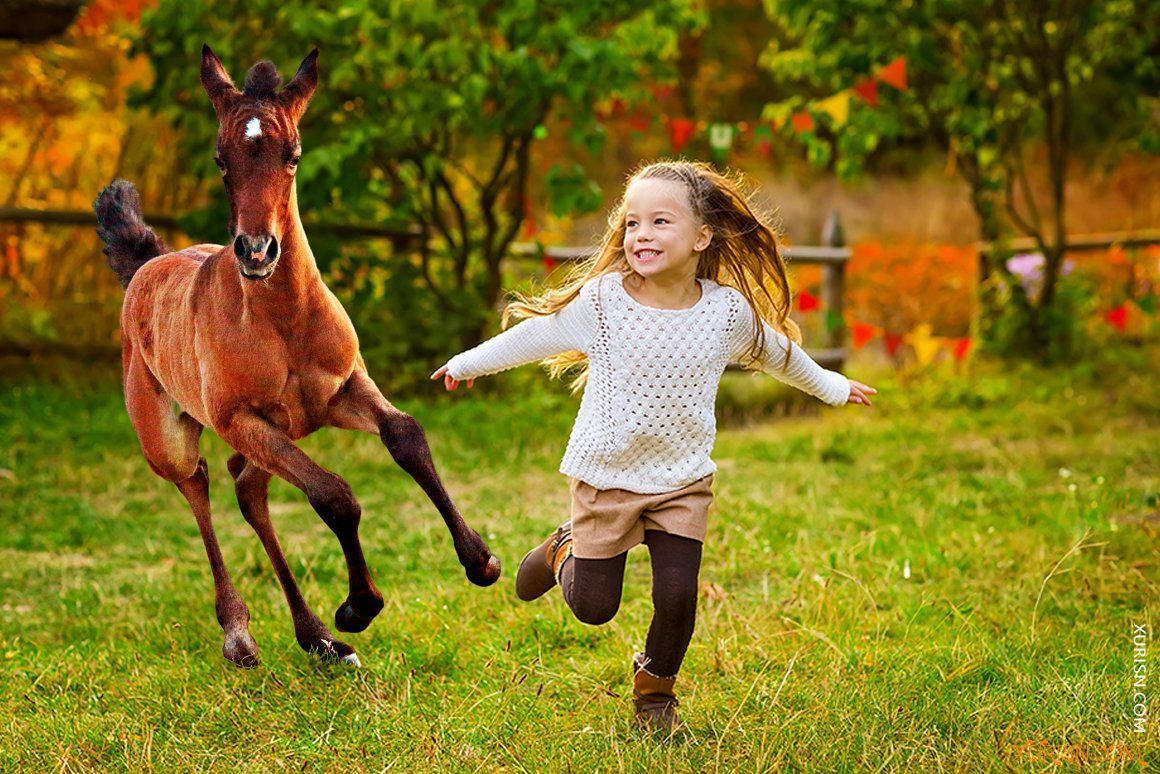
(688, 280)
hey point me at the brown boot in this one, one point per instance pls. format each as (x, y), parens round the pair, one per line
(540, 569)
(653, 699)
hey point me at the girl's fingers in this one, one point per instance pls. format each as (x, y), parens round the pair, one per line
(470, 383)
(449, 383)
(438, 374)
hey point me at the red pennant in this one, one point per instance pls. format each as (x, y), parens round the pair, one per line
(640, 120)
(867, 89)
(861, 334)
(1118, 317)
(894, 73)
(680, 132)
(803, 122)
(893, 342)
(807, 302)
(549, 264)
(961, 348)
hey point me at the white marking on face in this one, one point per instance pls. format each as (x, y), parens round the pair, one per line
(253, 129)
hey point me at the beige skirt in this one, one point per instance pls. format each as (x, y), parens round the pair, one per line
(608, 522)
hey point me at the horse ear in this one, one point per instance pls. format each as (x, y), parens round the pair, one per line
(217, 82)
(296, 95)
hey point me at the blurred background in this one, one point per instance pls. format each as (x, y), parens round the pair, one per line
(988, 170)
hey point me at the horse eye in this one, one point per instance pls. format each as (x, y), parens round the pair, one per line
(220, 164)
(295, 159)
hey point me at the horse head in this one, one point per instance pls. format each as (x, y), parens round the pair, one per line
(258, 148)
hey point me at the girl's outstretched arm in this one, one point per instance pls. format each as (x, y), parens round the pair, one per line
(801, 371)
(571, 328)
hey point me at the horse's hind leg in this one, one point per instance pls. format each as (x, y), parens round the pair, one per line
(169, 442)
(252, 485)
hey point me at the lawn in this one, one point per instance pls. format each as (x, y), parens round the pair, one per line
(950, 580)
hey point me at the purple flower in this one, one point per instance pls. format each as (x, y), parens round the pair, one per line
(1028, 267)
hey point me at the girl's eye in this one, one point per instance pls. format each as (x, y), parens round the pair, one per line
(662, 220)
(630, 224)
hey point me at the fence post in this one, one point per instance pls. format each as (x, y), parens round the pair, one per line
(834, 289)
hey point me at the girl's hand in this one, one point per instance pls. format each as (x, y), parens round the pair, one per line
(448, 382)
(860, 393)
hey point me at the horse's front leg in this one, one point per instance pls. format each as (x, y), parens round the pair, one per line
(271, 449)
(361, 406)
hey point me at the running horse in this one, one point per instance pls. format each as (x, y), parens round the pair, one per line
(249, 341)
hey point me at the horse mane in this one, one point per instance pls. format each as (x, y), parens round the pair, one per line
(262, 80)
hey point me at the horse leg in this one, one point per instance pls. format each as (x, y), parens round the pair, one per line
(361, 406)
(252, 485)
(169, 442)
(266, 446)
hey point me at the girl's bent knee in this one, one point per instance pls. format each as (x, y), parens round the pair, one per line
(595, 614)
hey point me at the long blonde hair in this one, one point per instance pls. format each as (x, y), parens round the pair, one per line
(743, 254)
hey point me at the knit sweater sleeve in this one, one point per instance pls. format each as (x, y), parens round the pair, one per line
(801, 372)
(571, 329)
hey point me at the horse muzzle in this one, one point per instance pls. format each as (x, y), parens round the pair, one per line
(256, 255)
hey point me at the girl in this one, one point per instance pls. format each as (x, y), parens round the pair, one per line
(680, 288)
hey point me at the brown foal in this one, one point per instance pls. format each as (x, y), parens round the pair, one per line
(248, 340)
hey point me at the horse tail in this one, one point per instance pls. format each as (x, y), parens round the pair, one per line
(129, 243)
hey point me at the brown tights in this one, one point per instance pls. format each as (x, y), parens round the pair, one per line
(592, 588)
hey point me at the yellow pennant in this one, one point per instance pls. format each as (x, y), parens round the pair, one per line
(925, 346)
(837, 107)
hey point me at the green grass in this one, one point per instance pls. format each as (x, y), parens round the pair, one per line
(946, 581)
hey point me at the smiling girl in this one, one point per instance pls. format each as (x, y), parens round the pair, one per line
(687, 281)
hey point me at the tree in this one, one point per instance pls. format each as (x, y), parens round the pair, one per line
(986, 82)
(428, 112)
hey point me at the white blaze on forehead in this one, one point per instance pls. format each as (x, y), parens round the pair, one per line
(253, 129)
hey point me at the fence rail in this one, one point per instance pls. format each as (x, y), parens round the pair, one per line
(833, 255)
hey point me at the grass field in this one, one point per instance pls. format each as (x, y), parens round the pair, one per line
(947, 581)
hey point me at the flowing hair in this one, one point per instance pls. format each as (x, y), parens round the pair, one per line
(743, 254)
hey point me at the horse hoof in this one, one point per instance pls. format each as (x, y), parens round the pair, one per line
(241, 650)
(347, 620)
(332, 650)
(485, 575)
(352, 659)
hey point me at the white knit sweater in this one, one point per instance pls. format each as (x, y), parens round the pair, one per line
(646, 421)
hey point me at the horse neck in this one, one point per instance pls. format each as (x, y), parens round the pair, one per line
(296, 278)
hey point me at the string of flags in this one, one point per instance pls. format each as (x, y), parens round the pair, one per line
(722, 135)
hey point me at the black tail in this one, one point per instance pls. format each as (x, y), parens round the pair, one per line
(129, 243)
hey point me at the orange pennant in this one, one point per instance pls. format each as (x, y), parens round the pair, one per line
(861, 333)
(894, 74)
(803, 122)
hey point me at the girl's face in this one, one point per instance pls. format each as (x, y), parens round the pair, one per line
(663, 238)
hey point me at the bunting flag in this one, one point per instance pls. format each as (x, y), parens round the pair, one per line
(894, 74)
(961, 347)
(1118, 317)
(834, 320)
(836, 107)
(763, 135)
(802, 122)
(720, 139)
(807, 302)
(680, 132)
(867, 89)
(549, 264)
(893, 342)
(925, 346)
(861, 333)
(1148, 303)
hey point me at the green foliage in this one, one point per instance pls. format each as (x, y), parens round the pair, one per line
(985, 79)
(877, 586)
(425, 117)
